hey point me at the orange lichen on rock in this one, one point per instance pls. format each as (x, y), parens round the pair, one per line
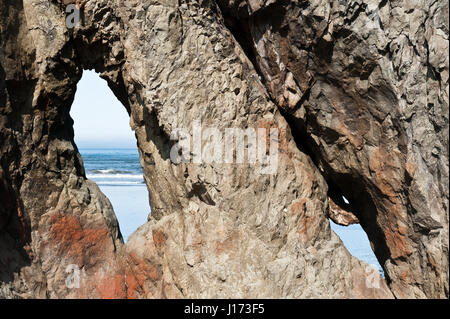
(308, 224)
(398, 242)
(387, 170)
(159, 239)
(71, 239)
(298, 206)
(141, 274)
(112, 287)
(282, 139)
(92, 249)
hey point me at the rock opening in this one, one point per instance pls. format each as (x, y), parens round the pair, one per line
(108, 148)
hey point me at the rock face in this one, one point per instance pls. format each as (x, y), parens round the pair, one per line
(364, 86)
(357, 94)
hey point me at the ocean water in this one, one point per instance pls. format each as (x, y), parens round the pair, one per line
(119, 175)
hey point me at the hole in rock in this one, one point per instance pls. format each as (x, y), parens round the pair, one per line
(345, 200)
(357, 243)
(108, 148)
(354, 238)
(345, 223)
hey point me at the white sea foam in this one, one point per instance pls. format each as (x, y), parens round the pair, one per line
(118, 176)
(120, 183)
(110, 171)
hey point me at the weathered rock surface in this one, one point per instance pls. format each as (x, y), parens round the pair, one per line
(221, 230)
(364, 85)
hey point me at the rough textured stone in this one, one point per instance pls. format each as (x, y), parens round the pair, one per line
(341, 214)
(364, 85)
(220, 230)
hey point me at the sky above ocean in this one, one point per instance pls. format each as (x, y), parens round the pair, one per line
(100, 120)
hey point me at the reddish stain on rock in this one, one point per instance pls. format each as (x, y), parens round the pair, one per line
(140, 275)
(282, 139)
(308, 224)
(72, 240)
(92, 249)
(298, 206)
(226, 245)
(397, 243)
(159, 239)
(112, 287)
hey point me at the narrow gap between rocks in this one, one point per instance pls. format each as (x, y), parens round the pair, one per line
(357, 243)
(108, 148)
(341, 193)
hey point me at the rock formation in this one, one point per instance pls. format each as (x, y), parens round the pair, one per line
(357, 91)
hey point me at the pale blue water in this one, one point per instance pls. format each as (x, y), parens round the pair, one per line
(356, 241)
(119, 175)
